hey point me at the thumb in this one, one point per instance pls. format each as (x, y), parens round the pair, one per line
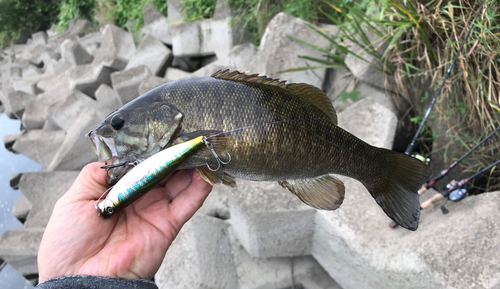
(90, 183)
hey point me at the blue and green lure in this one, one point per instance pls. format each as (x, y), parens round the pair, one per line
(146, 175)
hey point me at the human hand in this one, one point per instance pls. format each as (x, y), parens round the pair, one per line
(131, 244)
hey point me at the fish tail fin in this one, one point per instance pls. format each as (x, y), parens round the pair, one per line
(395, 187)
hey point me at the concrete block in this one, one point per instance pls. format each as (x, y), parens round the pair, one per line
(14, 180)
(35, 114)
(116, 49)
(87, 78)
(91, 42)
(19, 248)
(21, 85)
(206, 37)
(239, 57)
(159, 29)
(150, 13)
(74, 53)
(348, 247)
(43, 189)
(40, 146)
(107, 98)
(50, 126)
(268, 220)
(18, 100)
(30, 70)
(39, 38)
(278, 52)
(340, 80)
(151, 82)
(216, 205)
(369, 71)
(186, 63)
(200, 257)
(9, 140)
(65, 112)
(153, 54)
(80, 27)
(370, 121)
(175, 9)
(208, 70)
(176, 74)
(126, 82)
(223, 10)
(21, 209)
(56, 76)
(8, 110)
(15, 72)
(187, 38)
(281, 272)
(75, 152)
(40, 54)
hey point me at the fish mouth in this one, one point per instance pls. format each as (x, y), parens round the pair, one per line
(104, 147)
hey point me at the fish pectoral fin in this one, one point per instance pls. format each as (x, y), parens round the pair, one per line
(216, 177)
(323, 192)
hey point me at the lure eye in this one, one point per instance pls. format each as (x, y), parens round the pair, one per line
(117, 122)
(110, 211)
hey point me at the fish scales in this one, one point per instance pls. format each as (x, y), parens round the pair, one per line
(289, 134)
(305, 148)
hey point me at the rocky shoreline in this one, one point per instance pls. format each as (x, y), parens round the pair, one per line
(61, 85)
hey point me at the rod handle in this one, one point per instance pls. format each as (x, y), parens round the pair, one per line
(422, 190)
(438, 197)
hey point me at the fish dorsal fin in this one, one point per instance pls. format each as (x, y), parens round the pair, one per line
(242, 76)
(315, 96)
(305, 91)
(323, 192)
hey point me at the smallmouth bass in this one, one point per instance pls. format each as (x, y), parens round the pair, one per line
(290, 135)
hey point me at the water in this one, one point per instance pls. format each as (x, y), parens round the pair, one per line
(11, 163)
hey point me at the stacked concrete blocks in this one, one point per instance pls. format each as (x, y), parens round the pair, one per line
(269, 221)
(200, 257)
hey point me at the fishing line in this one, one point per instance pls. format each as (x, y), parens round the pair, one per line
(105, 192)
(410, 147)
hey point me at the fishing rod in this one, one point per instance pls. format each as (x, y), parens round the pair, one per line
(453, 190)
(410, 147)
(444, 172)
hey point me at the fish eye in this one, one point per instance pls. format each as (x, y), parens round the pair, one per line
(117, 122)
(110, 211)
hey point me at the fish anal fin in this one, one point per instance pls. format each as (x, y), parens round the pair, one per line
(216, 177)
(305, 91)
(323, 192)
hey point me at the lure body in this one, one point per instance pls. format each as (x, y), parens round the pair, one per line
(146, 175)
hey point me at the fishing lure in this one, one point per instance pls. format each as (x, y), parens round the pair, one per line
(146, 175)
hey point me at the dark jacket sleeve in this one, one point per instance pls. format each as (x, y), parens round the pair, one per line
(95, 282)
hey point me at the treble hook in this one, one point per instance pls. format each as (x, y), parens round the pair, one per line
(219, 161)
(108, 167)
